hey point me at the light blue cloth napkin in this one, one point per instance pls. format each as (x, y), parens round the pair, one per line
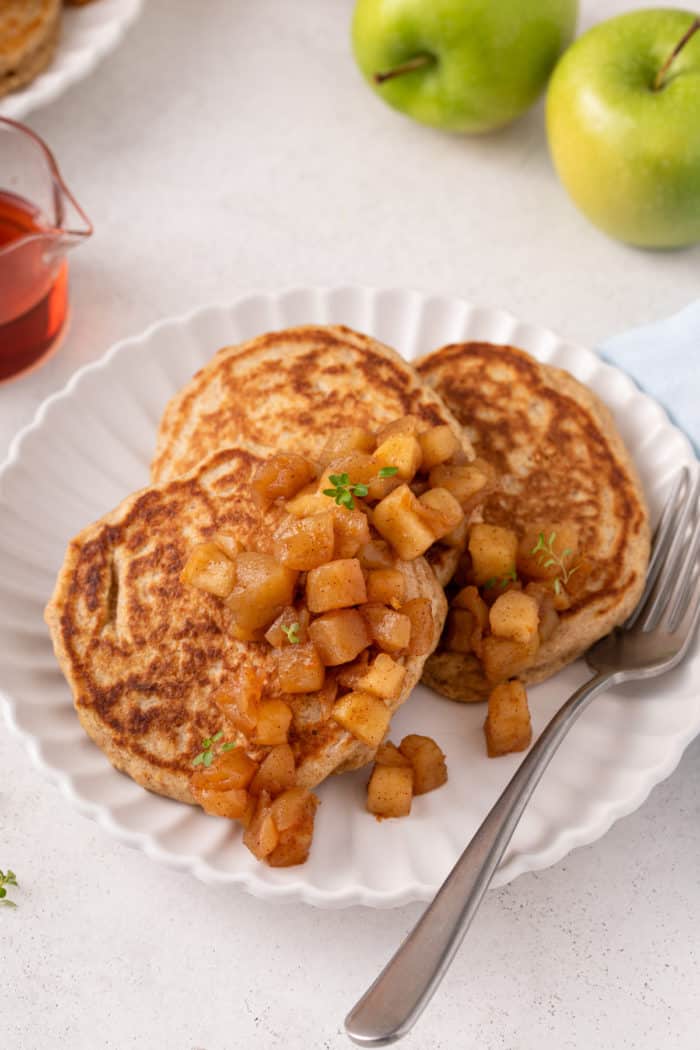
(664, 359)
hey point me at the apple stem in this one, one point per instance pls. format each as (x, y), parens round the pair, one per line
(661, 75)
(406, 67)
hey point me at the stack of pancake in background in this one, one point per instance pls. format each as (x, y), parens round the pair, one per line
(29, 33)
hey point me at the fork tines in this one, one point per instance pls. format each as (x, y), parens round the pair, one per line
(671, 597)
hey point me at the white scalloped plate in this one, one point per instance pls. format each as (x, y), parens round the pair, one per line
(91, 444)
(87, 35)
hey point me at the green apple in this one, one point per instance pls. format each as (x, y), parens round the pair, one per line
(623, 119)
(461, 65)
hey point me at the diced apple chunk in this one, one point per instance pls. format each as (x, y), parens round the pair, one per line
(458, 536)
(438, 445)
(350, 674)
(428, 761)
(390, 630)
(234, 766)
(247, 816)
(228, 543)
(515, 615)
(241, 703)
(459, 631)
(261, 836)
(401, 451)
(398, 518)
(339, 636)
(390, 791)
(263, 588)
(311, 710)
(274, 720)
(505, 658)
(549, 618)
(466, 481)
(387, 586)
(300, 668)
(231, 770)
(384, 677)
(388, 754)
(290, 808)
(492, 551)
(246, 634)
(305, 543)
(359, 467)
(209, 569)
(307, 503)
(377, 554)
(293, 847)
(293, 813)
(351, 530)
(291, 621)
(404, 425)
(336, 585)
(363, 715)
(281, 476)
(277, 772)
(469, 598)
(507, 727)
(423, 633)
(494, 589)
(231, 804)
(346, 440)
(440, 511)
(544, 547)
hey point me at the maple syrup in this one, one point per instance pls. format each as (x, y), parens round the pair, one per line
(33, 287)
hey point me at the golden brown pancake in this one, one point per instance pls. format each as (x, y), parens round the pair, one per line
(290, 390)
(559, 457)
(29, 32)
(145, 654)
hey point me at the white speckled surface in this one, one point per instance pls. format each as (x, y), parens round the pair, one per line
(236, 148)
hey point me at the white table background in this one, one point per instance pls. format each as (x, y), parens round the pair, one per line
(228, 145)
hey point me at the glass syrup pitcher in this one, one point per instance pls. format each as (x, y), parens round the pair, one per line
(40, 221)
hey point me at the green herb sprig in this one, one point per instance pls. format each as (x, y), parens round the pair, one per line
(7, 879)
(292, 633)
(207, 755)
(548, 557)
(344, 490)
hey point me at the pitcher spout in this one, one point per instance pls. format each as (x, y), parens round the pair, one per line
(72, 225)
(40, 221)
(28, 164)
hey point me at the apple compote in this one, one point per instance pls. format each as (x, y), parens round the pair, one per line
(325, 596)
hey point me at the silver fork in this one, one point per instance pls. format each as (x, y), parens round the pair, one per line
(654, 639)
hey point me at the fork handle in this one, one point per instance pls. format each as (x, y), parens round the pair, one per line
(392, 1005)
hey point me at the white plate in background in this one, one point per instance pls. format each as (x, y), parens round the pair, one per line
(91, 444)
(87, 35)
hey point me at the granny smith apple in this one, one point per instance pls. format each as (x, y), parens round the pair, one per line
(461, 65)
(623, 119)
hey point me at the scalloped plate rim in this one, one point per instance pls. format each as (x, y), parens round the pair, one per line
(603, 816)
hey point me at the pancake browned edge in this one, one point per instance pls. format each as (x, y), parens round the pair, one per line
(559, 457)
(290, 390)
(29, 32)
(145, 655)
